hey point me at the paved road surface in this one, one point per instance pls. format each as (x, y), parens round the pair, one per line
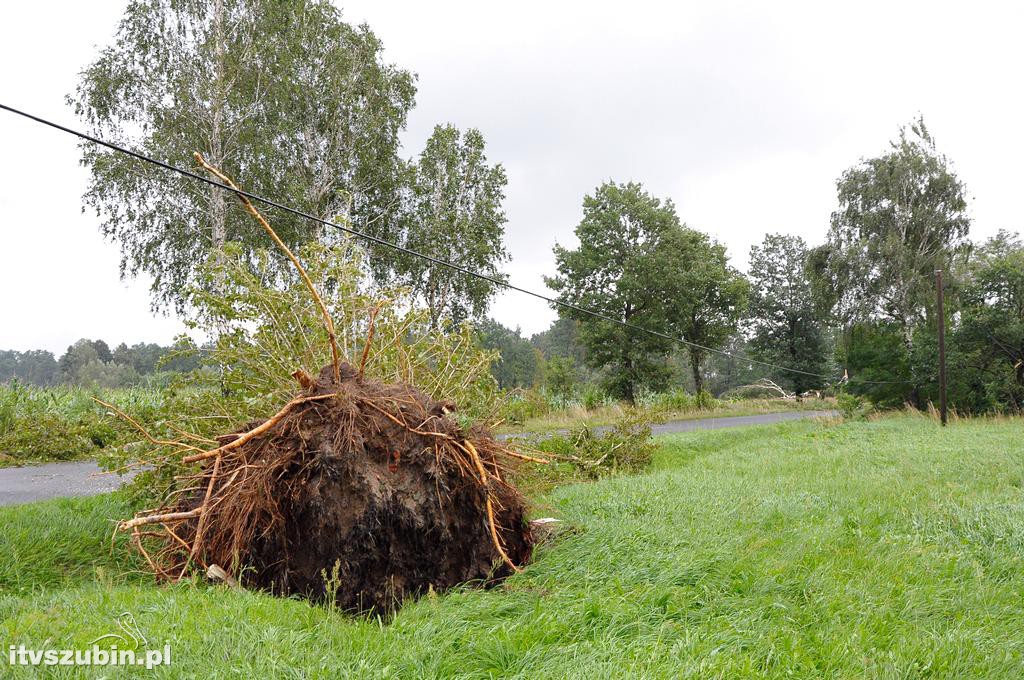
(39, 482)
(712, 423)
(736, 421)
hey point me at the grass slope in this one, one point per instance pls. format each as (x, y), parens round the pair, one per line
(873, 549)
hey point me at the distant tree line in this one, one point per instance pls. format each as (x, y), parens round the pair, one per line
(856, 313)
(92, 363)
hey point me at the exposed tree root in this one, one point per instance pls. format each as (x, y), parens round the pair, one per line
(468, 446)
(341, 475)
(256, 431)
(374, 483)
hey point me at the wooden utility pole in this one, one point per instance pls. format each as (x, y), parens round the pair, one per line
(942, 346)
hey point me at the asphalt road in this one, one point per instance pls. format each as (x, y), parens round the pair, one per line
(736, 421)
(39, 482)
(708, 423)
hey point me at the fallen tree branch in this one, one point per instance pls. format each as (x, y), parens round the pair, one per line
(328, 321)
(521, 456)
(158, 519)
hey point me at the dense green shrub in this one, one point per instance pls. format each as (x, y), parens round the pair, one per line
(64, 423)
(522, 405)
(594, 397)
(676, 400)
(626, 446)
(706, 401)
(852, 406)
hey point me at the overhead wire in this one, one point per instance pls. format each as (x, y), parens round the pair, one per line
(415, 253)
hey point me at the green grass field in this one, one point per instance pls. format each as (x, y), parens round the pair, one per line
(886, 549)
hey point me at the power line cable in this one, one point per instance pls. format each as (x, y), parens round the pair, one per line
(430, 258)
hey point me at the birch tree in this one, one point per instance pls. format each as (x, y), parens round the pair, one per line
(284, 95)
(454, 213)
(901, 216)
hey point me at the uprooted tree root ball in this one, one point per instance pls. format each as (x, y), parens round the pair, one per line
(356, 491)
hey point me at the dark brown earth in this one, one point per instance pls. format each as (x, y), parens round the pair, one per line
(376, 483)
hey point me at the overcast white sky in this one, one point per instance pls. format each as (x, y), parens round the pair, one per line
(743, 113)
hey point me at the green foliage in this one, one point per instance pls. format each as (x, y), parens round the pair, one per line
(989, 341)
(879, 364)
(285, 96)
(728, 372)
(36, 367)
(676, 400)
(705, 400)
(984, 349)
(64, 423)
(706, 297)
(561, 339)
(593, 397)
(106, 375)
(853, 407)
(625, 447)
(636, 263)
(901, 216)
(10, 395)
(782, 315)
(522, 405)
(454, 214)
(90, 363)
(519, 364)
(561, 376)
(265, 325)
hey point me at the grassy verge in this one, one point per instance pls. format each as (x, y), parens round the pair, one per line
(872, 549)
(607, 415)
(62, 543)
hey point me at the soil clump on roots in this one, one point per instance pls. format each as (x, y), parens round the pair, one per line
(356, 492)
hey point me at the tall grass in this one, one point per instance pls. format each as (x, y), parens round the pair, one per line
(872, 549)
(62, 542)
(64, 422)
